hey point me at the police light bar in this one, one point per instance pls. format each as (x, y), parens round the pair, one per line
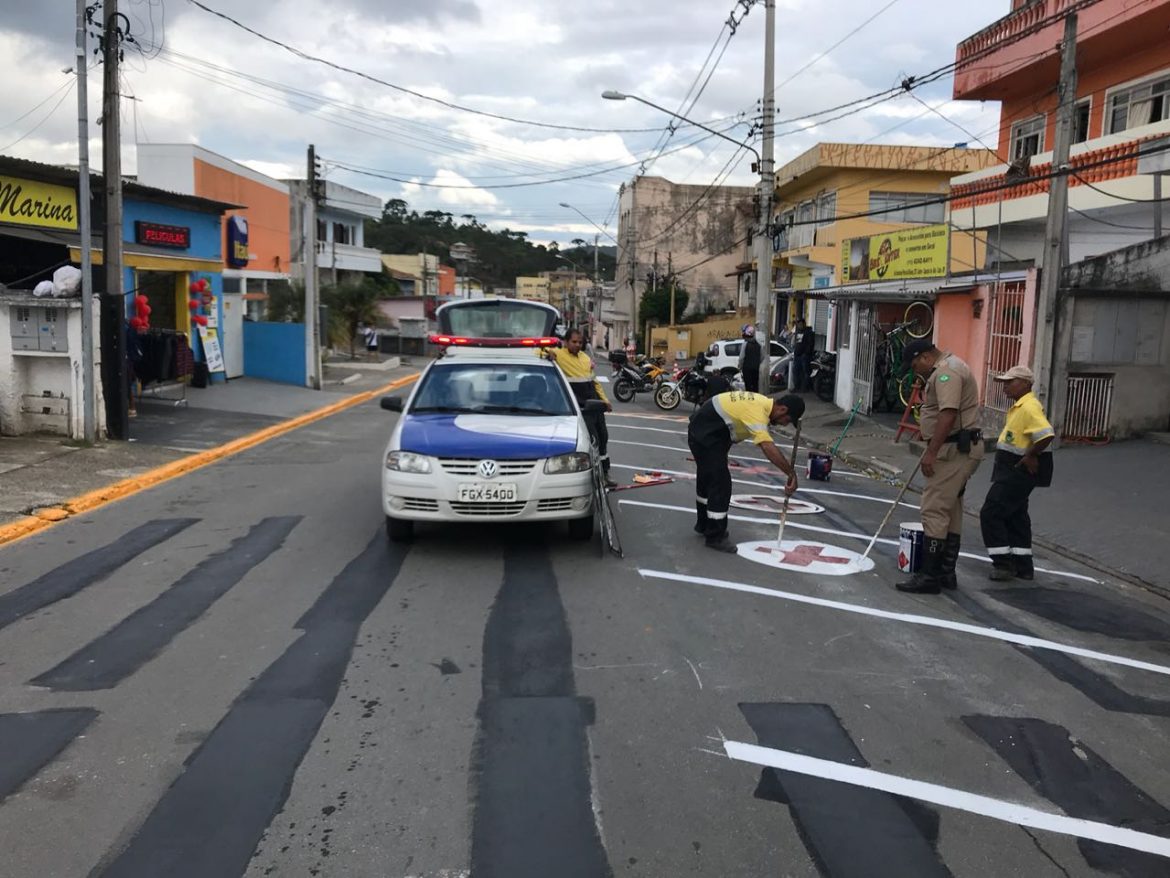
(448, 340)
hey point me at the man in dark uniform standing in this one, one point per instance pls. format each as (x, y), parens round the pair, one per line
(950, 426)
(749, 360)
(719, 423)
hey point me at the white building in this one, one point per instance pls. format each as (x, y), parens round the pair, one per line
(341, 236)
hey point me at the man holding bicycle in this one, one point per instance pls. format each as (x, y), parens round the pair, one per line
(950, 426)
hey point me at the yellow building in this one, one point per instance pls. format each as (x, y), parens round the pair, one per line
(532, 289)
(817, 190)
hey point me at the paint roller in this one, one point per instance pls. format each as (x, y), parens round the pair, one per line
(787, 496)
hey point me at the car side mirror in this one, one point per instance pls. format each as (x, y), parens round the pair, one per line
(392, 403)
(593, 405)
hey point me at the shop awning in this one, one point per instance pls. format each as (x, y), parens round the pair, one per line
(133, 255)
(896, 291)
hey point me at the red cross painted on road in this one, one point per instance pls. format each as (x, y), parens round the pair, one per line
(804, 555)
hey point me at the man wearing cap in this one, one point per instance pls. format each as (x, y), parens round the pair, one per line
(719, 423)
(950, 427)
(749, 360)
(1022, 462)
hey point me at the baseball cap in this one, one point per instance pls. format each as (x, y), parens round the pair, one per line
(914, 348)
(1016, 372)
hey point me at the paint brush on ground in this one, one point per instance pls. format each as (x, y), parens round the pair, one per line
(787, 496)
(894, 506)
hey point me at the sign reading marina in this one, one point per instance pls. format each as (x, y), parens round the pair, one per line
(900, 255)
(45, 205)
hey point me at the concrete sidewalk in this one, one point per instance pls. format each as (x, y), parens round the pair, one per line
(1106, 506)
(39, 472)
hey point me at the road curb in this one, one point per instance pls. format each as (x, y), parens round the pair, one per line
(91, 500)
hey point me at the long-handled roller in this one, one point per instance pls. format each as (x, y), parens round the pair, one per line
(897, 500)
(787, 496)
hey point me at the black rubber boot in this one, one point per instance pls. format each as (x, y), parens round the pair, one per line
(1024, 567)
(609, 482)
(1003, 569)
(701, 518)
(928, 579)
(717, 537)
(950, 558)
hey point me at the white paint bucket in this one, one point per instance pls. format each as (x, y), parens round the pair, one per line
(910, 546)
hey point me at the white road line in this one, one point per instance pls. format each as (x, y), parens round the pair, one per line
(948, 797)
(911, 618)
(756, 460)
(771, 522)
(803, 489)
(678, 419)
(649, 429)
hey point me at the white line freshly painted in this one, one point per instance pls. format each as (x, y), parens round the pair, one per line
(840, 533)
(761, 461)
(948, 797)
(677, 419)
(648, 429)
(911, 618)
(803, 489)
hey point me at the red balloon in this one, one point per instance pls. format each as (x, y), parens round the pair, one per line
(137, 323)
(193, 288)
(204, 284)
(194, 304)
(146, 309)
(140, 300)
(199, 320)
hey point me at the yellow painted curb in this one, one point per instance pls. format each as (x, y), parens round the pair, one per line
(119, 490)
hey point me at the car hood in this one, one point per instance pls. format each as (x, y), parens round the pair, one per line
(500, 437)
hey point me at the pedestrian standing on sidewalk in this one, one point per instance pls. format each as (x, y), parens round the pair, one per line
(749, 360)
(578, 369)
(950, 417)
(1022, 462)
(804, 345)
(719, 423)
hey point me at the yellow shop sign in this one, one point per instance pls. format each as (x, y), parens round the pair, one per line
(901, 255)
(29, 203)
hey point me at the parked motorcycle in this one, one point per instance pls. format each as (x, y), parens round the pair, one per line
(686, 384)
(628, 381)
(822, 375)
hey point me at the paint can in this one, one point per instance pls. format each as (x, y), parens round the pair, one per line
(820, 466)
(910, 546)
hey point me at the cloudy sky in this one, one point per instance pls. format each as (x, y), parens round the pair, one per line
(193, 77)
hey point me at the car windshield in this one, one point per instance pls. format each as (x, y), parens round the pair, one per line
(497, 319)
(493, 388)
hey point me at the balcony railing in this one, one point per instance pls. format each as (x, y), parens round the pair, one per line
(1015, 25)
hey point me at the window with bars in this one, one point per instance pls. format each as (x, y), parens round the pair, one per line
(1027, 138)
(1138, 105)
(905, 207)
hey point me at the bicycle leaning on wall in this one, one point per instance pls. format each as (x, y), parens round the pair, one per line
(893, 384)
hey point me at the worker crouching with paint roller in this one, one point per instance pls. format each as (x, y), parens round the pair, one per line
(719, 423)
(950, 417)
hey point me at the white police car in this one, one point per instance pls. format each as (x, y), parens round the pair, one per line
(491, 431)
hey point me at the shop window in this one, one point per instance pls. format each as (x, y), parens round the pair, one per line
(1081, 121)
(905, 207)
(1139, 105)
(844, 312)
(1027, 138)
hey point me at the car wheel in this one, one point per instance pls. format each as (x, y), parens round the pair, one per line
(581, 528)
(624, 391)
(399, 530)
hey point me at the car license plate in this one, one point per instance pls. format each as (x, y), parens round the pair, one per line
(487, 492)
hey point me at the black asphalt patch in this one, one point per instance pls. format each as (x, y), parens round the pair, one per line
(211, 819)
(533, 804)
(1097, 687)
(80, 573)
(115, 655)
(1086, 611)
(1075, 778)
(850, 832)
(29, 740)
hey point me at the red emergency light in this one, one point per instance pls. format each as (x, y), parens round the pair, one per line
(448, 340)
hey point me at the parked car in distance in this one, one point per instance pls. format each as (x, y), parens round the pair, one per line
(724, 355)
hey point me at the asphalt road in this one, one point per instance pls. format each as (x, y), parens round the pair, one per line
(235, 674)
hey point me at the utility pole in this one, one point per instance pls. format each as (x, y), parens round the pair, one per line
(114, 362)
(312, 329)
(1055, 235)
(632, 246)
(670, 277)
(763, 241)
(596, 286)
(653, 287)
(85, 222)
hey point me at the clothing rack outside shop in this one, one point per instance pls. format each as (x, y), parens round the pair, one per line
(166, 367)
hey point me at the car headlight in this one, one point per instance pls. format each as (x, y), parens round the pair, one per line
(408, 462)
(577, 462)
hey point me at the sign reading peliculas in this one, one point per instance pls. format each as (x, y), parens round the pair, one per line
(31, 203)
(901, 255)
(159, 235)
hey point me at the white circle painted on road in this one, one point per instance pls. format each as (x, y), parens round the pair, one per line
(804, 556)
(774, 503)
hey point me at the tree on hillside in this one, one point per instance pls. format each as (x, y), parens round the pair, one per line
(655, 307)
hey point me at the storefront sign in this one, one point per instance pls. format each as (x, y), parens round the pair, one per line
(902, 255)
(45, 205)
(237, 242)
(212, 354)
(159, 235)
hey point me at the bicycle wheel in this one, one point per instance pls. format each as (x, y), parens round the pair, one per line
(919, 319)
(906, 388)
